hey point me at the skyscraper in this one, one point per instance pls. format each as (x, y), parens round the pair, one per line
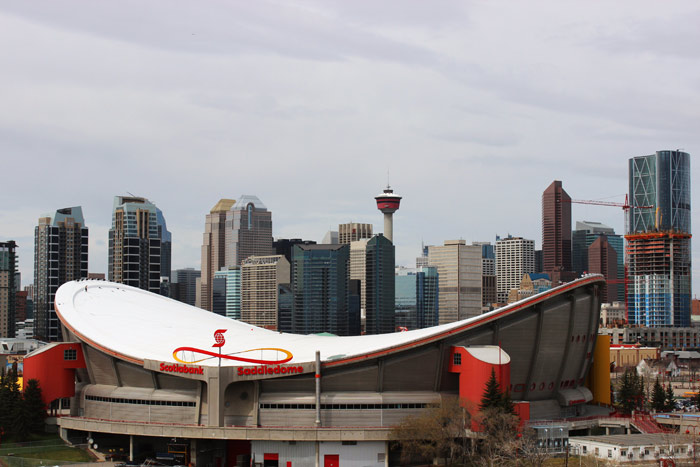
(489, 282)
(213, 248)
(583, 237)
(515, 256)
(248, 230)
(60, 255)
(230, 279)
(416, 297)
(556, 233)
(134, 244)
(320, 289)
(353, 231)
(261, 278)
(658, 240)
(8, 267)
(184, 285)
(358, 267)
(459, 269)
(380, 286)
(166, 246)
(602, 259)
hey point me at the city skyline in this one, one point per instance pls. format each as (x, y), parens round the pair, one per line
(318, 94)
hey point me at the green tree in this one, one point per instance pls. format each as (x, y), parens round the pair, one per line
(493, 397)
(9, 398)
(35, 407)
(670, 398)
(658, 397)
(626, 393)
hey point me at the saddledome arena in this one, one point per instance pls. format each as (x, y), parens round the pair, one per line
(155, 373)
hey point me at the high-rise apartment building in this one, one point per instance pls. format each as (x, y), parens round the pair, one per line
(248, 230)
(60, 255)
(353, 231)
(556, 233)
(658, 240)
(602, 259)
(134, 244)
(184, 285)
(261, 278)
(380, 316)
(515, 256)
(213, 248)
(8, 267)
(416, 298)
(320, 289)
(459, 270)
(227, 292)
(583, 237)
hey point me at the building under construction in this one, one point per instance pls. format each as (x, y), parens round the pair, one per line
(658, 240)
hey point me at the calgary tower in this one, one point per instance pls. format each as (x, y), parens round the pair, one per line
(388, 202)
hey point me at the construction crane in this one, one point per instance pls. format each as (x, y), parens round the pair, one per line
(625, 206)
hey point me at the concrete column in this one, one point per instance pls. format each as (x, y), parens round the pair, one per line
(193, 451)
(131, 447)
(318, 388)
(318, 454)
(389, 226)
(214, 399)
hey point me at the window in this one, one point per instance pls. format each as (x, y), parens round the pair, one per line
(457, 359)
(70, 354)
(609, 453)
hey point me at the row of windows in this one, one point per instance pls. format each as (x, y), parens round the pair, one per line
(345, 406)
(117, 400)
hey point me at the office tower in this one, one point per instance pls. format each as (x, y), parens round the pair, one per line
(489, 296)
(134, 244)
(416, 298)
(166, 246)
(213, 248)
(380, 286)
(388, 203)
(227, 284)
(60, 255)
(556, 233)
(658, 240)
(358, 267)
(283, 246)
(602, 259)
(261, 277)
(248, 230)
(8, 267)
(320, 289)
(354, 310)
(184, 285)
(515, 256)
(530, 284)
(583, 237)
(21, 299)
(459, 271)
(331, 238)
(538, 261)
(353, 231)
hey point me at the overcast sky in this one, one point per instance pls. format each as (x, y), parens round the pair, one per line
(473, 108)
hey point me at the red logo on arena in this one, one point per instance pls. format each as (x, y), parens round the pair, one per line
(219, 338)
(260, 356)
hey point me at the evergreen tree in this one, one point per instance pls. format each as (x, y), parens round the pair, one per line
(492, 394)
(670, 398)
(640, 392)
(36, 409)
(629, 392)
(9, 397)
(507, 403)
(658, 397)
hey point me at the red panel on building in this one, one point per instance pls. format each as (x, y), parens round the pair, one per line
(54, 367)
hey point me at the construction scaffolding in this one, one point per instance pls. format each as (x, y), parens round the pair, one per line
(659, 278)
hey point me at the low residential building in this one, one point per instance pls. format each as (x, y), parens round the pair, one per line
(666, 338)
(633, 448)
(613, 314)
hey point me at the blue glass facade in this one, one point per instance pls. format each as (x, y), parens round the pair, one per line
(379, 271)
(320, 295)
(226, 290)
(417, 298)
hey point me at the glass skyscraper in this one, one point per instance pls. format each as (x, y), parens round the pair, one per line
(416, 297)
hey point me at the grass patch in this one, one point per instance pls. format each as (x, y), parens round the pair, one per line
(49, 447)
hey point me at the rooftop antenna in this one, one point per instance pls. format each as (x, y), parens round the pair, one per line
(388, 185)
(131, 194)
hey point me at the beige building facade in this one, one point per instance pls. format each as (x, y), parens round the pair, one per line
(515, 256)
(353, 231)
(213, 248)
(358, 268)
(261, 277)
(459, 279)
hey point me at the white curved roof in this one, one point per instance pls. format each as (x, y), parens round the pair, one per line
(134, 324)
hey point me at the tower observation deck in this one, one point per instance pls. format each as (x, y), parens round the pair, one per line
(388, 203)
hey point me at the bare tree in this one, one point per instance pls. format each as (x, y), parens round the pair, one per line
(440, 432)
